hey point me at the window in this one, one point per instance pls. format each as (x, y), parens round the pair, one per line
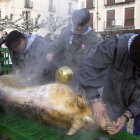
(110, 18)
(89, 3)
(70, 10)
(110, 1)
(28, 4)
(50, 3)
(91, 20)
(129, 16)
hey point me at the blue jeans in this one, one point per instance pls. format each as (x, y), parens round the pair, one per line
(136, 128)
(114, 115)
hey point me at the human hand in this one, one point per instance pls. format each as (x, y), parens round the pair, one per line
(99, 111)
(118, 125)
(49, 57)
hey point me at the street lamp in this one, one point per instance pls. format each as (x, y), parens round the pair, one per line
(97, 16)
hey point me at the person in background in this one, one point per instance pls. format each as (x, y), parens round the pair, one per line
(101, 39)
(2, 44)
(55, 37)
(2, 40)
(48, 38)
(74, 44)
(117, 34)
(116, 66)
(107, 36)
(27, 55)
(22, 31)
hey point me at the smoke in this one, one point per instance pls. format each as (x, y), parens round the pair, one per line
(34, 63)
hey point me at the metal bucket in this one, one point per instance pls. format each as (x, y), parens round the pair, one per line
(64, 75)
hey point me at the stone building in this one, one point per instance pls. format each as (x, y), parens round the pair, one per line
(47, 8)
(113, 16)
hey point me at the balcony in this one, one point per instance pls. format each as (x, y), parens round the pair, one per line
(119, 24)
(28, 4)
(51, 8)
(70, 11)
(118, 2)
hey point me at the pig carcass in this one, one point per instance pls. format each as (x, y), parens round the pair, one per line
(55, 104)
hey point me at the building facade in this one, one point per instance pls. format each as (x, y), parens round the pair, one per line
(112, 16)
(46, 8)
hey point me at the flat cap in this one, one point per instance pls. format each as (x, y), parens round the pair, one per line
(81, 17)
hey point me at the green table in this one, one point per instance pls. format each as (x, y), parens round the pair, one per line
(21, 128)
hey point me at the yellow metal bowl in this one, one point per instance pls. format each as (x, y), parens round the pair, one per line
(64, 75)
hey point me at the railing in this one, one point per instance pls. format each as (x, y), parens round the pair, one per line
(70, 11)
(5, 66)
(28, 4)
(106, 2)
(51, 8)
(119, 23)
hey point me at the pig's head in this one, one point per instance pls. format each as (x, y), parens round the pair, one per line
(85, 119)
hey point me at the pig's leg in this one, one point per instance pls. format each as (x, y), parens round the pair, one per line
(75, 127)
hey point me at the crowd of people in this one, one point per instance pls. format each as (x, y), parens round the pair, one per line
(113, 63)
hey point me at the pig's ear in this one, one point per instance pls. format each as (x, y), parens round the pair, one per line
(80, 101)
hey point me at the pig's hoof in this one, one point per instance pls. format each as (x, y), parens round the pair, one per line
(109, 126)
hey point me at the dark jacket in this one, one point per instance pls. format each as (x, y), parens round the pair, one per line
(31, 61)
(72, 54)
(121, 90)
(48, 39)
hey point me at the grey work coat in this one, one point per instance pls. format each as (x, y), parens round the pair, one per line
(31, 61)
(112, 67)
(72, 54)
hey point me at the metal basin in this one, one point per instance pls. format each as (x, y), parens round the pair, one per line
(64, 75)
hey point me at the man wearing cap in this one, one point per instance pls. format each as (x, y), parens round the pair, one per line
(116, 66)
(27, 54)
(74, 44)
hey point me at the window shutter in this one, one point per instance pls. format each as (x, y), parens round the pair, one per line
(89, 3)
